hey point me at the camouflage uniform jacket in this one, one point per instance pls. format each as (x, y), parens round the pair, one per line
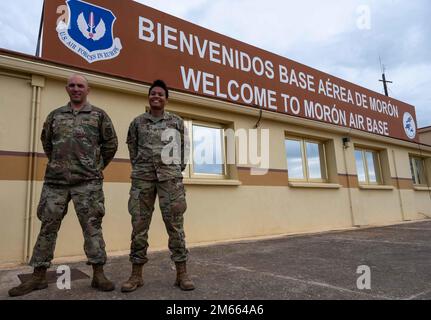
(147, 139)
(79, 144)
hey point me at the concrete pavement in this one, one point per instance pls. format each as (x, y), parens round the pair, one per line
(306, 267)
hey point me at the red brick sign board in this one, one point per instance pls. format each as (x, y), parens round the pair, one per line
(127, 39)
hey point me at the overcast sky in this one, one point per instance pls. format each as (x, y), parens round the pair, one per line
(342, 38)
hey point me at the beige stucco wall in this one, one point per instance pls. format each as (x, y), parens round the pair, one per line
(15, 110)
(422, 203)
(221, 212)
(15, 101)
(12, 215)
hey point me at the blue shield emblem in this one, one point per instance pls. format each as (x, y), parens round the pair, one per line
(90, 31)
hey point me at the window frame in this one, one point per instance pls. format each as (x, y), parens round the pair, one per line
(189, 173)
(305, 169)
(378, 167)
(415, 171)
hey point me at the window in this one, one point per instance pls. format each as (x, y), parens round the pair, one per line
(417, 167)
(207, 150)
(368, 166)
(306, 160)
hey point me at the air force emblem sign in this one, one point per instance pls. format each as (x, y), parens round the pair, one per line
(89, 32)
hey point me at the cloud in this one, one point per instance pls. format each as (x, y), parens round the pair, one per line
(19, 25)
(413, 86)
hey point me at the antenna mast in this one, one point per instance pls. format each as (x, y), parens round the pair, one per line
(385, 82)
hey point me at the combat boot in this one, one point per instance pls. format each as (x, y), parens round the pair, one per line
(135, 281)
(36, 282)
(99, 280)
(183, 281)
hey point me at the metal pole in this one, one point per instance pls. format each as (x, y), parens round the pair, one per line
(39, 38)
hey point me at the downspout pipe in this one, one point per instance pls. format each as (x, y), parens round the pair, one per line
(403, 215)
(346, 145)
(37, 83)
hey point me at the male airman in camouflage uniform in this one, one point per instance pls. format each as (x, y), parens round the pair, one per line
(157, 172)
(80, 141)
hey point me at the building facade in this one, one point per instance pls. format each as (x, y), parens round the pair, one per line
(425, 135)
(320, 176)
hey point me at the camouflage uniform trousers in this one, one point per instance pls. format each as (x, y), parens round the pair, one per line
(172, 205)
(88, 200)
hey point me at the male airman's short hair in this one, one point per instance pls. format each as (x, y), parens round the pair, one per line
(80, 76)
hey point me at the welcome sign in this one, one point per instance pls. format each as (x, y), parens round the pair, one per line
(127, 39)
